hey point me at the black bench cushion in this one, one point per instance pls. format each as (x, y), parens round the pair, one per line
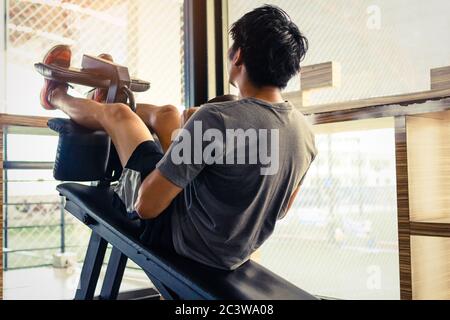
(82, 154)
(250, 282)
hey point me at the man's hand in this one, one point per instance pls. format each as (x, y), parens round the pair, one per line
(187, 114)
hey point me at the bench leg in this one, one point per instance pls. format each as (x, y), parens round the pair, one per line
(114, 274)
(165, 292)
(91, 268)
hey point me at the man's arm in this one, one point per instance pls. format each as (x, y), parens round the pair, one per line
(155, 195)
(162, 186)
(157, 192)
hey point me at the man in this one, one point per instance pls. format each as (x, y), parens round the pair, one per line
(207, 199)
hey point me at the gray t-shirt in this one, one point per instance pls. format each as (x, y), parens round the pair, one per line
(226, 211)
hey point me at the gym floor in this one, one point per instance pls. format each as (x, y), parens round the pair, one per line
(57, 284)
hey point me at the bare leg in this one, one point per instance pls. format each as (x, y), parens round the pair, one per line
(163, 121)
(125, 128)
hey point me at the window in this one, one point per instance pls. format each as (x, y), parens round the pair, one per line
(145, 35)
(340, 238)
(36, 226)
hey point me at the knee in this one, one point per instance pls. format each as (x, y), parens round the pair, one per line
(169, 111)
(118, 112)
(167, 114)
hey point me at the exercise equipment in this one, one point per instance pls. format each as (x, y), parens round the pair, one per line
(87, 156)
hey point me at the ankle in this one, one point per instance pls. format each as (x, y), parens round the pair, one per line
(57, 94)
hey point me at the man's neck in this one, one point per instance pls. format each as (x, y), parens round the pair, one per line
(267, 94)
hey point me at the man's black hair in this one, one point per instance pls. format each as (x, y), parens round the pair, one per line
(272, 46)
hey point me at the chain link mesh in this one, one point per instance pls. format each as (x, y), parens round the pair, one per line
(375, 61)
(145, 35)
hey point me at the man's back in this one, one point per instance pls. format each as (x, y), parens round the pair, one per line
(247, 158)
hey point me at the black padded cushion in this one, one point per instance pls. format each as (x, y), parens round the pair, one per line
(67, 126)
(82, 154)
(250, 282)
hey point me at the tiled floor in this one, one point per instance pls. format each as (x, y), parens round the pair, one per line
(57, 284)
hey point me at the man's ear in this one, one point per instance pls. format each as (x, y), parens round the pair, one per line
(238, 58)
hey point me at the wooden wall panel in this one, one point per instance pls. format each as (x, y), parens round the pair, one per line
(429, 168)
(386, 111)
(327, 75)
(440, 78)
(314, 77)
(433, 228)
(318, 76)
(431, 268)
(403, 208)
(405, 100)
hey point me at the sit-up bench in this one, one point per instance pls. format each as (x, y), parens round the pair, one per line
(85, 156)
(174, 276)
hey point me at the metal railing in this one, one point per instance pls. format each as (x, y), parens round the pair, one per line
(34, 234)
(35, 230)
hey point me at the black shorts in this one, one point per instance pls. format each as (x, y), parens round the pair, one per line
(157, 232)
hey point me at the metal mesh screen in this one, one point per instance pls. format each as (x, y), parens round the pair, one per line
(379, 45)
(145, 35)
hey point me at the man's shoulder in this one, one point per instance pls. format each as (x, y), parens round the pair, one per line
(220, 110)
(222, 106)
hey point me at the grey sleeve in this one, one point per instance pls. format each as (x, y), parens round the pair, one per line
(184, 160)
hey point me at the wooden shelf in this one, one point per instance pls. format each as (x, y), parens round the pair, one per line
(443, 220)
(401, 99)
(439, 227)
(24, 121)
